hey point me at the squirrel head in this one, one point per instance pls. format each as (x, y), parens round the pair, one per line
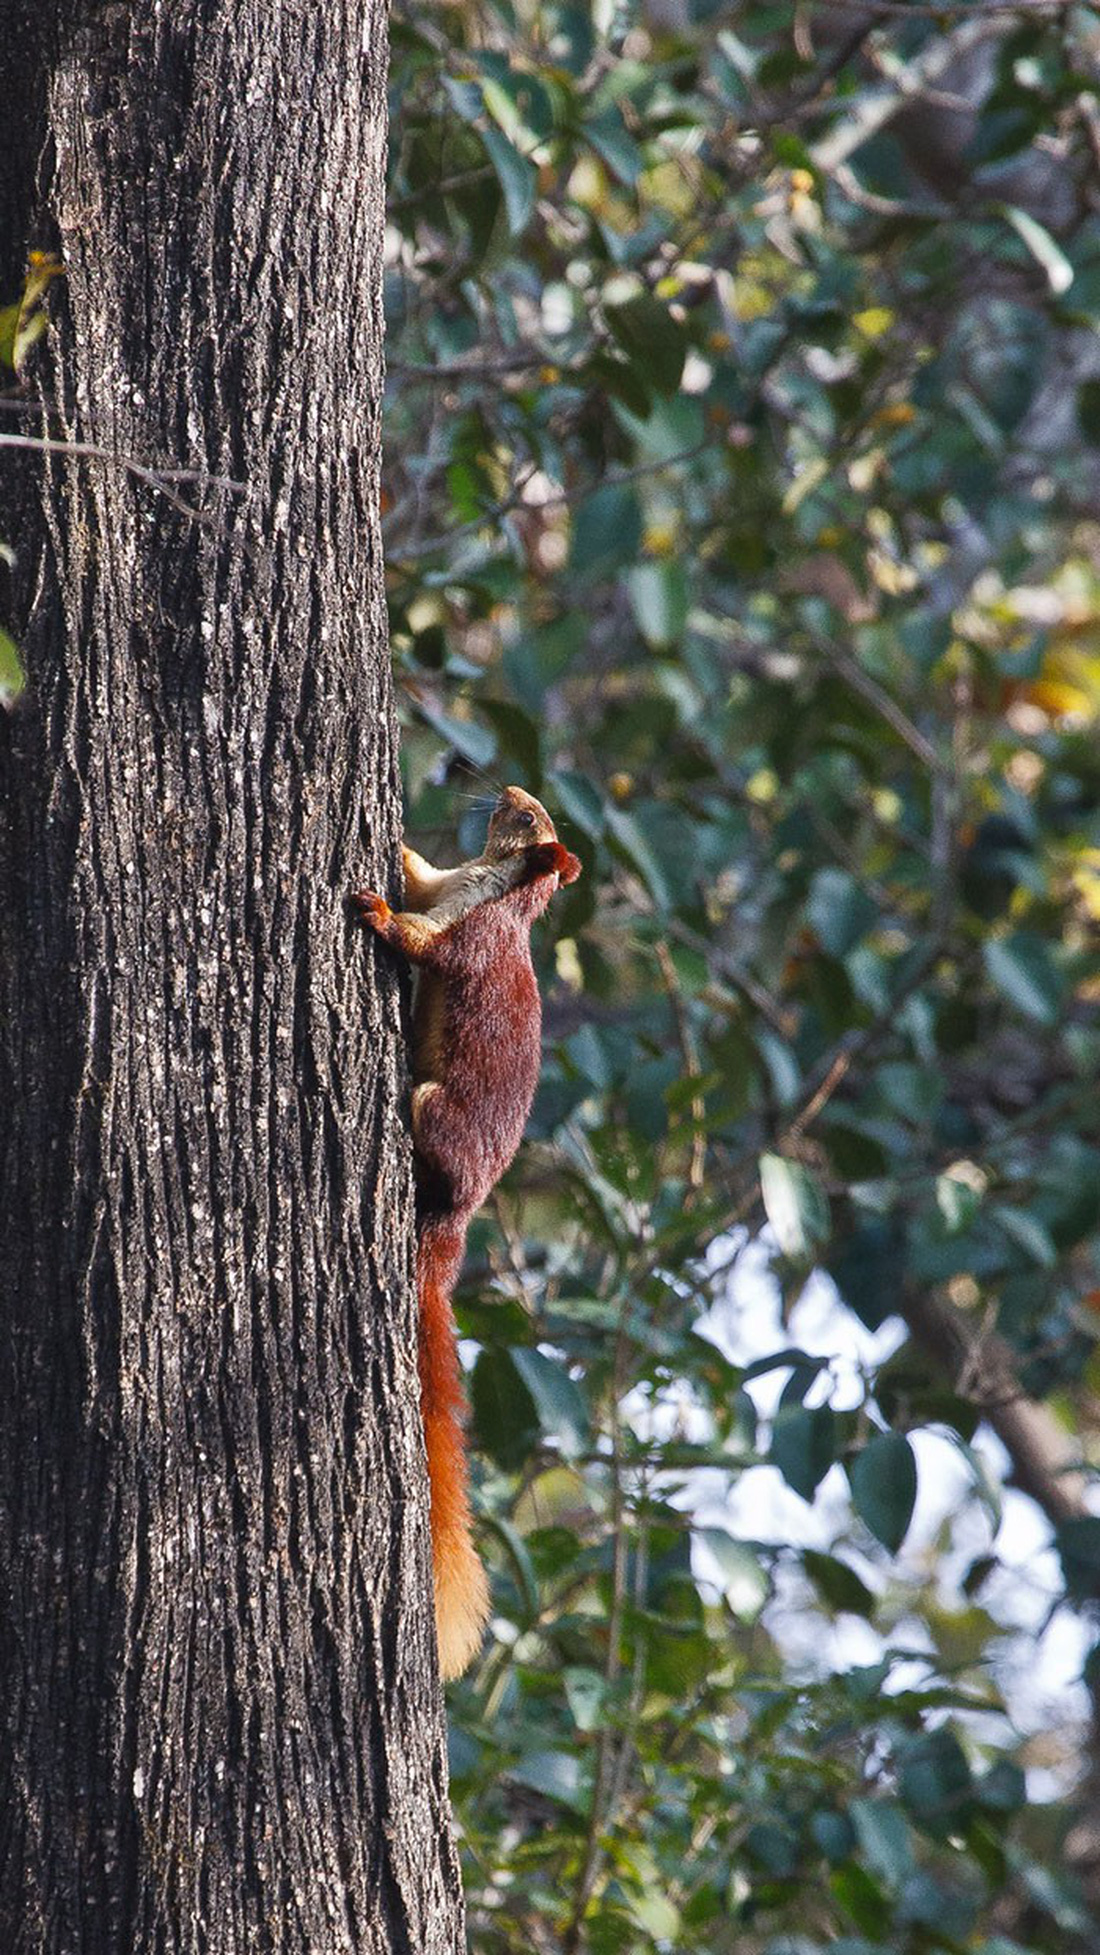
(517, 821)
(522, 834)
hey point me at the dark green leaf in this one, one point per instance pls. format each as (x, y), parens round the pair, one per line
(517, 176)
(837, 1583)
(884, 1839)
(1088, 410)
(650, 336)
(935, 1781)
(1023, 969)
(838, 910)
(561, 1409)
(504, 1409)
(804, 1446)
(608, 135)
(884, 1487)
(607, 531)
(1078, 1544)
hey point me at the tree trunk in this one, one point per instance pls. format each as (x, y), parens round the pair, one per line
(220, 1725)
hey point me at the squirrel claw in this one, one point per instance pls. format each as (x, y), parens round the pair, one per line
(372, 909)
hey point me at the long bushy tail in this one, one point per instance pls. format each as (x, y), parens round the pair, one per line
(461, 1590)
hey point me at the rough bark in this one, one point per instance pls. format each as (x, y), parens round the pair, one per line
(220, 1726)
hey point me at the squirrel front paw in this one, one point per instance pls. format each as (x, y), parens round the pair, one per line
(371, 909)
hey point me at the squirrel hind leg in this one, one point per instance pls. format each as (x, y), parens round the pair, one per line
(421, 1099)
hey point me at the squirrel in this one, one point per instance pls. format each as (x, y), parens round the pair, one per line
(476, 1051)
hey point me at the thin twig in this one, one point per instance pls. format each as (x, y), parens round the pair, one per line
(411, 552)
(605, 1767)
(690, 1054)
(960, 10)
(155, 477)
(887, 708)
(440, 189)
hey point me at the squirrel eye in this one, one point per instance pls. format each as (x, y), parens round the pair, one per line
(526, 817)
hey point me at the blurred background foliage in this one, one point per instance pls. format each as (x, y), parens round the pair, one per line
(743, 502)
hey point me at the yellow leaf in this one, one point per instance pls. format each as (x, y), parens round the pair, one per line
(659, 540)
(876, 320)
(898, 414)
(1086, 881)
(804, 484)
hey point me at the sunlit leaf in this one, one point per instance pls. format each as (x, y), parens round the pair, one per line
(518, 178)
(1048, 255)
(12, 676)
(795, 1206)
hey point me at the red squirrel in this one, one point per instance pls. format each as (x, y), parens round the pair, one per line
(476, 1053)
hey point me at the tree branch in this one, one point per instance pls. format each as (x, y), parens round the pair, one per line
(1045, 1464)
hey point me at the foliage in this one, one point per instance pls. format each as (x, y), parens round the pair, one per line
(22, 324)
(742, 468)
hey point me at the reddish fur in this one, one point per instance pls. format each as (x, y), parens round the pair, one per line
(466, 1132)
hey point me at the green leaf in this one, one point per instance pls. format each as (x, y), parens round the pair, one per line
(884, 1839)
(12, 676)
(784, 1075)
(1026, 1230)
(607, 530)
(474, 742)
(838, 911)
(958, 1199)
(561, 1409)
(539, 659)
(585, 1694)
(795, 1206)
(9, 321)
(867, 1270)
(646, 331)
(518, 737)
(504, 1409)
(518, 99)
(838, 1584)
(834, 1834)
(609, 137)
(804, 1446)
(934, 1781)
(631, 843)
(1023, 969)
(1088, 410)
(518, 179)
(884, 1487)
(580, 800)
(656, 1915)
(659, 597)
(863, 1899)
(915, 1092)
(555, 1774)
(744, 1581)
(466, 97)
(1078, 1543)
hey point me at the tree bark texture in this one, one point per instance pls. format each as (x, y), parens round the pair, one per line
(220, 1726)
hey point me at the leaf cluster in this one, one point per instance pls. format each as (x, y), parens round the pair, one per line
(740, 501)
